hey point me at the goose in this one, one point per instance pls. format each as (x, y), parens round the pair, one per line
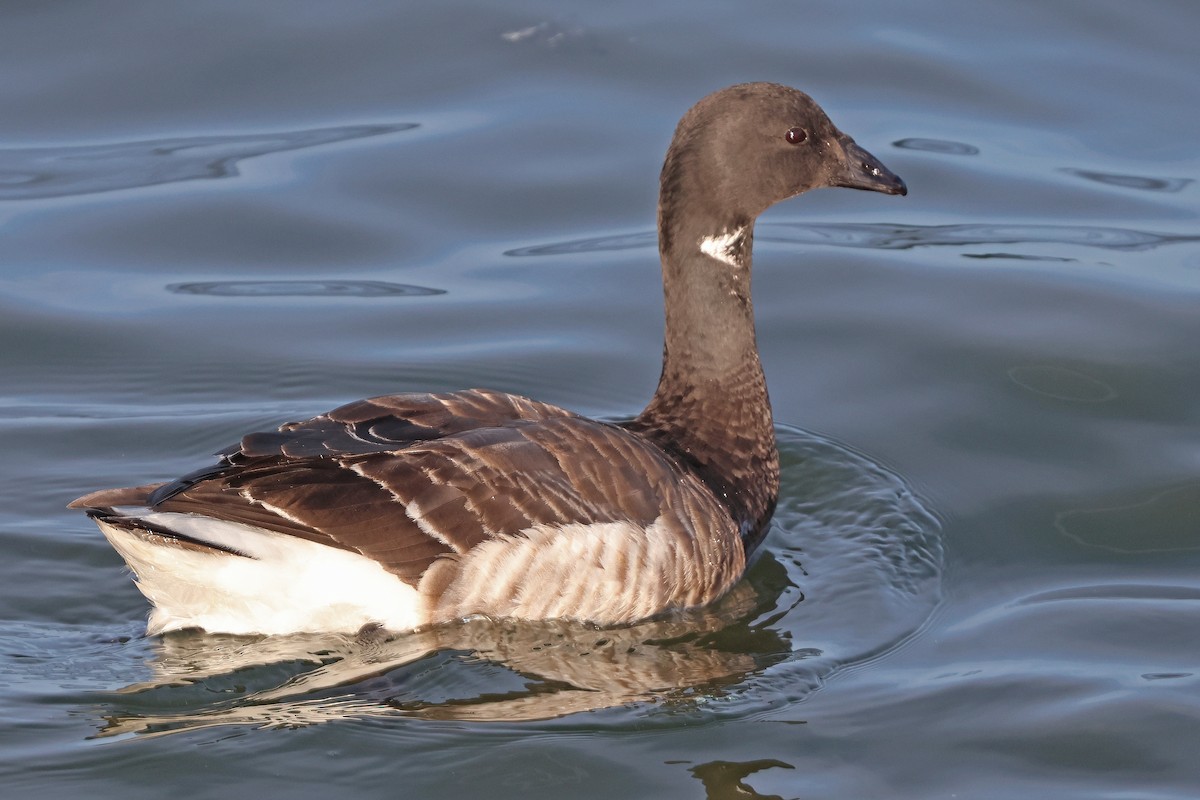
(410, 510)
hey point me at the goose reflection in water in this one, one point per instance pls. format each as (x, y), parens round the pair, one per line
(556, 668)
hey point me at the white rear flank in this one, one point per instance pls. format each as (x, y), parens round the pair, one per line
(283, 584)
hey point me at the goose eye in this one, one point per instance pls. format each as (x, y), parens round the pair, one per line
(797, 136)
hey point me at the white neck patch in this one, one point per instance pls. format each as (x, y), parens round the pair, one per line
(724, 247)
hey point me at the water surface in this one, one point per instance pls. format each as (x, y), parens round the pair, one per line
(982, 578)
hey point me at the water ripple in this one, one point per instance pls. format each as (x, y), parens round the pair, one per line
(336, 288)
(41, 172)
(1114, 591)
(883, 236)
(550, 34)
(600, 244)
(1130, 181)
(1162, 522)
(939, 146)
(1061, 383)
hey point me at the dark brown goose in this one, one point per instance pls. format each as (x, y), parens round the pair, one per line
(413, 509)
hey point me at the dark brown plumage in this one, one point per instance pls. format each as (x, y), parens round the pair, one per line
(487, 503)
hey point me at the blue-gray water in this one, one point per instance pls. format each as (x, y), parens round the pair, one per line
(983, 578)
